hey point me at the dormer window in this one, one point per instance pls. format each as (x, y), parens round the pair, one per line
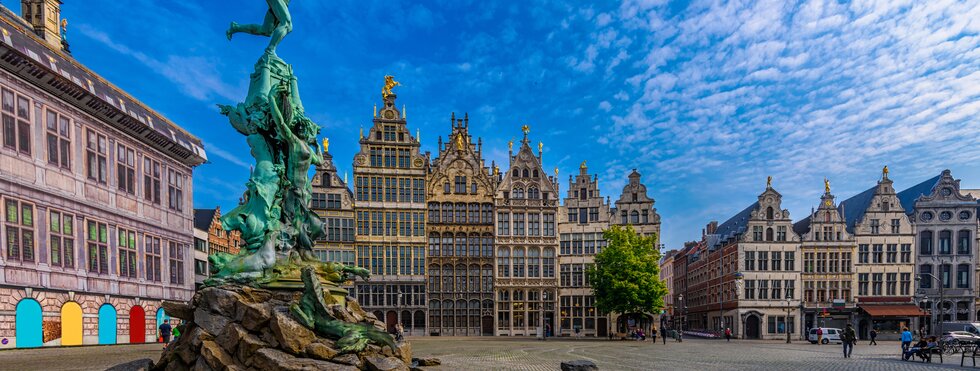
(535, 173)
(517, 173)
(525, 173)
(769, 213)
(884, 206)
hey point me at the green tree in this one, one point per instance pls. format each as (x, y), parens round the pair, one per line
(626, 275)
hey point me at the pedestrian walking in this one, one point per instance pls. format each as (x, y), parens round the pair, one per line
(848, 340)
(176, 332)
(922, 332)
(728, 334)
(907, 339)
(165, 331)
(653, 334)
(819, 336)
(874, 334)
(663, 335)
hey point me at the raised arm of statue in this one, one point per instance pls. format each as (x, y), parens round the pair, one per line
(277, 24)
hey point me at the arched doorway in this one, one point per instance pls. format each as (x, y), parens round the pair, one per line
(107, 324)
(161, 316)
(71, 324)
(27, 324)
(752, 329)
(137, 325)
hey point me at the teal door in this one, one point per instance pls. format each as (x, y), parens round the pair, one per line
(27, 325)
(161, 316)
(107, 324)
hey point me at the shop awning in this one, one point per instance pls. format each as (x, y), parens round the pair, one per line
(894, 310)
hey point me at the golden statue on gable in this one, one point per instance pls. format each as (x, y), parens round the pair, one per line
(459, 142)
(526, 129)
(326, 144)
(389, 84)
(826, 185)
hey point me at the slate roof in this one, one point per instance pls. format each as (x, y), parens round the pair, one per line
(734, 226)
(203, 218)
(28, 57)
(854, 207)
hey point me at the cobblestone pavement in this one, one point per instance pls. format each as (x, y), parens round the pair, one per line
(463, 354)
(692, 354)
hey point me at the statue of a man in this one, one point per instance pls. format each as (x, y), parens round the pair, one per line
(276, 25)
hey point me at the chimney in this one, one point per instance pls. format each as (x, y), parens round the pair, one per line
(45, 16)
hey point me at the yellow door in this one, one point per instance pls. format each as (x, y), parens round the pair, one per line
(71, 324)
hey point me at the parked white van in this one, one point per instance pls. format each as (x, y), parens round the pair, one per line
(829, 334)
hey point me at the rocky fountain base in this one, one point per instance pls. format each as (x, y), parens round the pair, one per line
(238, 327)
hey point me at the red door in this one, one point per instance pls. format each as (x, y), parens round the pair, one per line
(137, 325)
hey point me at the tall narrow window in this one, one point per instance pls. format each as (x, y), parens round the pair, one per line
(175, 188)
(963, 242)
(151, 180)
(19, 226)
(127, 253)
(152, 250)
(61, 239)
(945, 242)
(16, 122)
(96, 146)
(176, 258)
(97, 244)
(925, 243)
(58, 139)
(549, 225)
(126, 169)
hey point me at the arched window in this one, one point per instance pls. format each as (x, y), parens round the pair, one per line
(460, 244)
(473, 278)
(487, 245)
(533, 193)
(525, 173)
(503, 262)
(474, 245)
(623, 217)
(447, 213)
(518, 262)
(769, 213)
(460, 316)
(434, 212)
(447, 278)
(474, 216)
(535, 173)
(406, 319)
(419, 324)
(434, 275)
(769, 234)
(447, 314)
(447, 244)
(533, 262)
(445, 188)
(634, 217)
(460, 278)
(517, 193)
(486, 279)
(963, 276)
(433, 244)
(460, 212)
(925, 270)
(517, 173)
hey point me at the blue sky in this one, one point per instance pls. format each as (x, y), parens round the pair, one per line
(705, 99)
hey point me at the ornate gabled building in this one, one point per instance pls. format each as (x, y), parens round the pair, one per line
(828, 267)
(635, 208)
(389, 194)
(583, 218)
(945, 226)
(884, 264)
(460, 229)
(219, 240)
(333, 201)
(526, 204)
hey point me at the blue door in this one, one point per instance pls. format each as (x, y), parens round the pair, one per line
(107, 324)
(161, 316)
(27, 326)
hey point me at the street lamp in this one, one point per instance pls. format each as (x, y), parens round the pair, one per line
(939, 305)
(680, 301)
(786, 326)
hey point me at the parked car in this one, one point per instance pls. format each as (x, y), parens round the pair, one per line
(829, 334)
(960, 336)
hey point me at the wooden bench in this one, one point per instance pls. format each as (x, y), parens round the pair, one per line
(972, 354)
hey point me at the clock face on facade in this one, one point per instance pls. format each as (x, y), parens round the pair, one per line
(418, 162)
(389, 115)
(945, 215)
(946, 192)
(927, 216)
(964, 215)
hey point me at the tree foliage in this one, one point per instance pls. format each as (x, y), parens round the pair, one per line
(626, 275)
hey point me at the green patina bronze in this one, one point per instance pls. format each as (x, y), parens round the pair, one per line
(274, 218)
(312, 311)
